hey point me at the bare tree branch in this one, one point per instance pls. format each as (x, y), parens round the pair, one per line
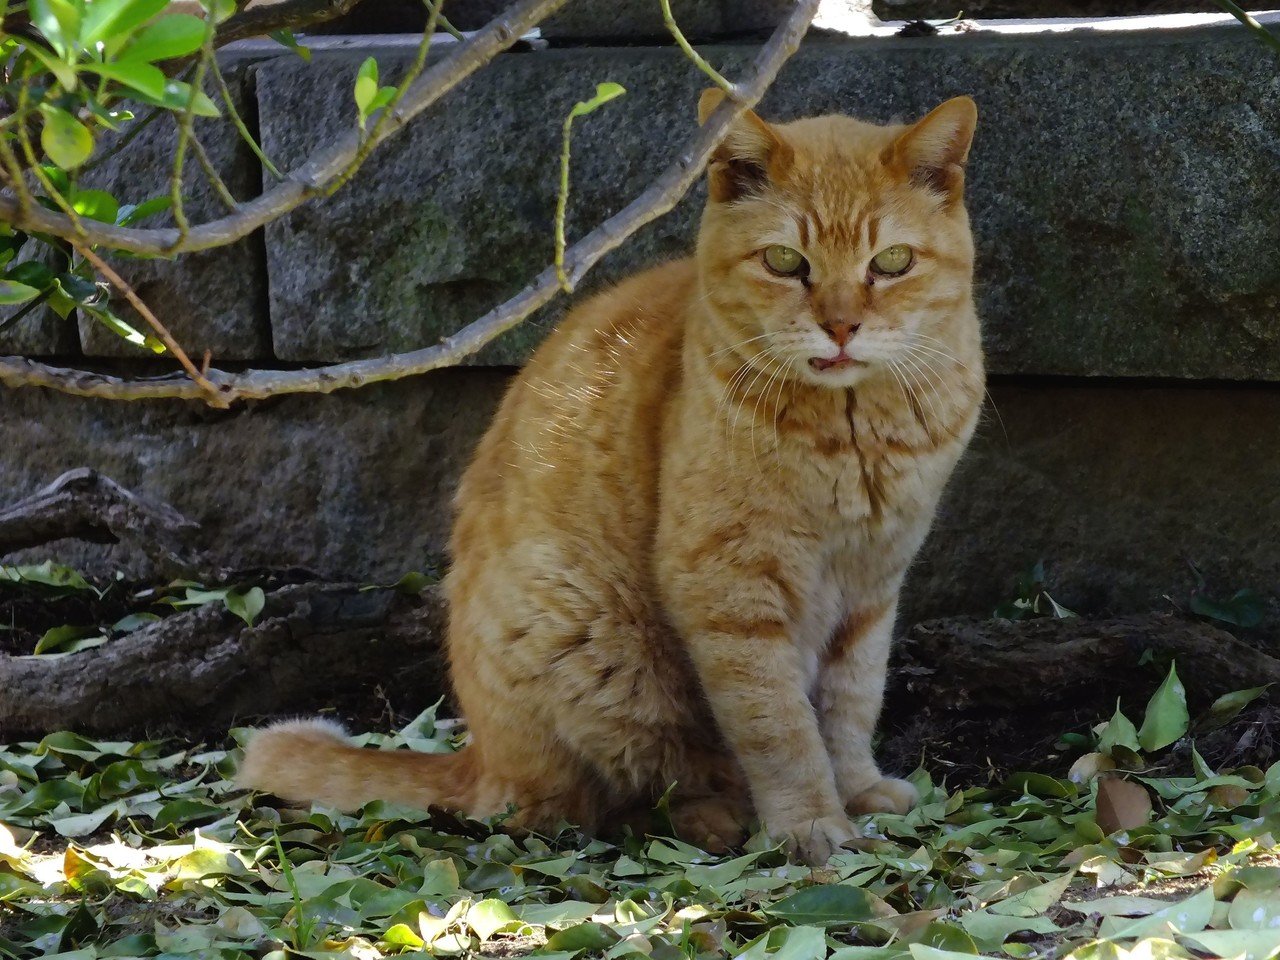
(85, 505)
(313, 177)
(211, 394)
(288, 15)
(660, 197)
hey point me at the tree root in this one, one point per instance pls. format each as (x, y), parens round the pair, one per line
(84, 505)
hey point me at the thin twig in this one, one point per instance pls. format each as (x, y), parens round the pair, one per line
(33, 164)
(135, 129)
(185, 123)
(238, 121)
(669, 19)
(26, 309)
(211, 174)
(387, 112)
(1261, 32)
(450, 29)
(186, 131)
(211, 395)
(13, 175)
(315, 174)
(657, 199)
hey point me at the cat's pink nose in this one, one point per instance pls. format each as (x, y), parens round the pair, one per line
(841, 331)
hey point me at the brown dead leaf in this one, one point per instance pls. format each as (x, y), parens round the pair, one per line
(1226, 796)
(1122, 805)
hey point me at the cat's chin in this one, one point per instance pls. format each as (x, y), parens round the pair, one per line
(835, 375)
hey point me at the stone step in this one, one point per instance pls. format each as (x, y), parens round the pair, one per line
(1116, 488)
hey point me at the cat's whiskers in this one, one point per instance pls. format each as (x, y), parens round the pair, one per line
(767, 335)
(730, 392)
(893, 369)
(923, 380)
(910, 371)
(929, 361)
(777, 412)
(990, 399)
(772, 362)
(777, 375)
(916, 400)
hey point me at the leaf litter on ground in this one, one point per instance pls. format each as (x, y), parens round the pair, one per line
(147, 849)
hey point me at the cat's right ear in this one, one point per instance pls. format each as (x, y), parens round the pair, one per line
(751, 153)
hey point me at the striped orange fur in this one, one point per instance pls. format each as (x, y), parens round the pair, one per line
(678, 549)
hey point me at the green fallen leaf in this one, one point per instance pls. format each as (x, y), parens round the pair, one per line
(1166, 720)
(825, 905)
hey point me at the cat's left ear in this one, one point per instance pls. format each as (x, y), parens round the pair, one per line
(933, 151)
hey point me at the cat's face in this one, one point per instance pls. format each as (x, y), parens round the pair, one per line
(834, 249)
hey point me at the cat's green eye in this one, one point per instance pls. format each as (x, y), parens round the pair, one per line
(785, 261)
(892, 261)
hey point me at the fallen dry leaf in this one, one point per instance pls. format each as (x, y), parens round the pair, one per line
(1122, 805)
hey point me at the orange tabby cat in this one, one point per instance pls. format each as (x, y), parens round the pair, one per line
(679, 548)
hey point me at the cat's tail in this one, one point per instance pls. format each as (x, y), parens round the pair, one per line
(312, 760)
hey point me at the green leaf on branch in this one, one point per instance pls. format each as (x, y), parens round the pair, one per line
(177, 94)
(96, 205)
(286, 38)
(366, 88)
(12, 292)
(59, 21)
(604, 93)
(1166, 720)
(131, 214)
(121, 328)
(64, 72)
(65, 140)
(115, 20)
(141, 78)
(173, 36)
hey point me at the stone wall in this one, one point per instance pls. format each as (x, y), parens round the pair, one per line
(1128, 282)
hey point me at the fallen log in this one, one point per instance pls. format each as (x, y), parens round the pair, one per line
(988, 696)
(315, 645)
(84, 505)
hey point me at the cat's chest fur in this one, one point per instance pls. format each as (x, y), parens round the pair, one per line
(871, 476)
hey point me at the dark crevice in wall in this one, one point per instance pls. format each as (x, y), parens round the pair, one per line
(257, 241)
(1053, 381)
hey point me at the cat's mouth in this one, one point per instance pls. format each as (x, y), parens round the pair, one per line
(840, 361)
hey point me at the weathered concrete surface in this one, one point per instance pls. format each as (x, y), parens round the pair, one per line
(1115, 488)
(1115, 183)
(352, 485)
(214, 300)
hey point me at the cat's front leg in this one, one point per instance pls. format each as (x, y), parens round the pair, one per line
(752, 675)
(850, 692)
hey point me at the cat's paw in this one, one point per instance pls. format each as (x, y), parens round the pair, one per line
(815, 841)
(890, 795)
(713, 824)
